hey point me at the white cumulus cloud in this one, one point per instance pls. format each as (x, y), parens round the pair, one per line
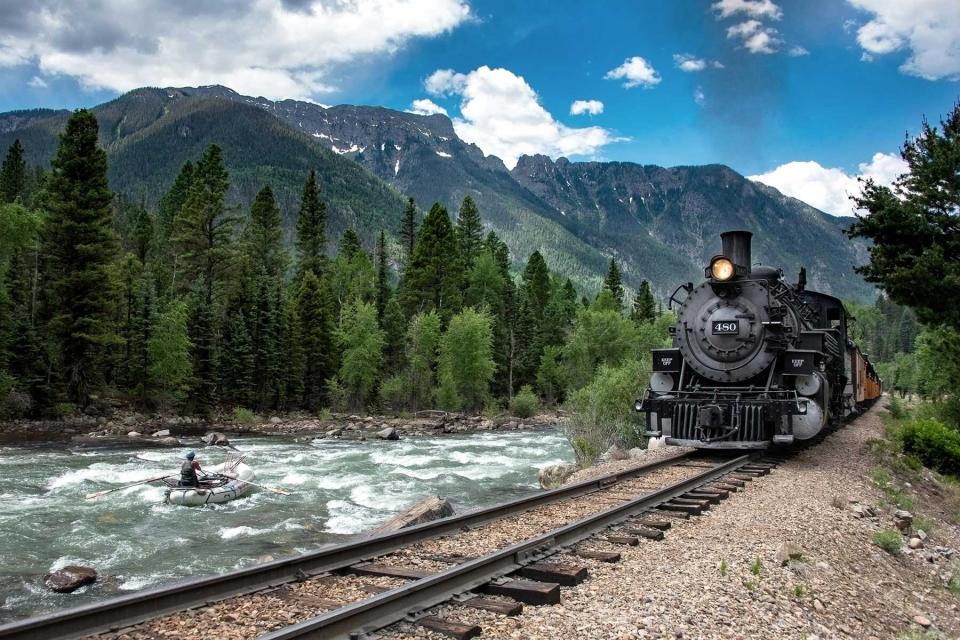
(591, 107)
(502, 115)
(752, 8)
(930, 29)
(698, 96)
(426, 107)
(690, 63)
(635, 72)
(830, 189)
(275, 48)
(37, 82)
(756, 37)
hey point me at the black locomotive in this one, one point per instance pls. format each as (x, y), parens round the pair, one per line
(755, 361)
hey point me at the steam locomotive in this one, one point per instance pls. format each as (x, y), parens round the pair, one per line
(756, 362)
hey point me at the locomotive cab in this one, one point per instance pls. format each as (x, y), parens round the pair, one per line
(752, 363)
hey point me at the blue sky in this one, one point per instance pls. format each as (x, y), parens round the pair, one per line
(803, 95)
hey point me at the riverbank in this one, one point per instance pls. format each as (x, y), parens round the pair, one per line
(162, 430)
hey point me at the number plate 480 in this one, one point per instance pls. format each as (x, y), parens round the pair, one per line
(726, 327)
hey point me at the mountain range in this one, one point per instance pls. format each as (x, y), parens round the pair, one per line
(660, 224)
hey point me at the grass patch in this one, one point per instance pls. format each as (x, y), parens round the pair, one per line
(723, 567)
(800, 590)
(756, 567)
(889, 540)
(925, 524)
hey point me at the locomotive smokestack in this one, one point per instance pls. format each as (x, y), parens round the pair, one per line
(736, 246)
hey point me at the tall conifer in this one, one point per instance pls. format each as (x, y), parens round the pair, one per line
(644, 306)
(383, 277)
(311, 241)
(79, 246)
(469, 231)
(408, 230)
(13, 174)
(613, 284)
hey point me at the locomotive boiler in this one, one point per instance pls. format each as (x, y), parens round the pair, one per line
(755, 361)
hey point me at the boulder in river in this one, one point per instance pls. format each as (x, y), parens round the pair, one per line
(427, 510)
(555, 475)
(70, 578)
(169, 441)
(163, 433)
(134, 434)
(216, 438)
(388, 434)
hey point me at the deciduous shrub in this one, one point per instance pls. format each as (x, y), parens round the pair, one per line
(525, 403)
(242, 415)
(936, 444)
(889, 540)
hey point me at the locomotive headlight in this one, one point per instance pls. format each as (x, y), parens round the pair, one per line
(721, 269)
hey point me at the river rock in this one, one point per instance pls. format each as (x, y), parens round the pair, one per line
(216, 438)
(134, 434)
(388, 434)
(70, 578)
(163, 433)
(915, 543)
(275, 420)
(555, 475)
(169, 441)
(427, 510)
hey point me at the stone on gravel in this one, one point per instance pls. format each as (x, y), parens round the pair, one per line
(134, 434)
(863, 510)
(613, 454)
(788, 551)
(923, 621)
(427, 510)
(903, 520)
(388, 434)
(275, 420)
(555, 475)
(163, 433)
(70, 578)
(915, 543)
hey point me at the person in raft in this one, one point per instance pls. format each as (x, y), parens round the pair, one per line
(188, 471)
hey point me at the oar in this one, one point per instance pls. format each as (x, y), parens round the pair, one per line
(135, 484)
(282, 492)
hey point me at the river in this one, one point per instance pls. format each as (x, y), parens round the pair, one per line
(134, 540)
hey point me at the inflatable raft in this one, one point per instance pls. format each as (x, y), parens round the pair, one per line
(213, 489)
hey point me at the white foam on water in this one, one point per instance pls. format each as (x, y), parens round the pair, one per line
(346, 517)
(340, 481)
(101, 472)
(294, 478)
(135, 583)
(229, 533)
(401, 459)
(466, 457)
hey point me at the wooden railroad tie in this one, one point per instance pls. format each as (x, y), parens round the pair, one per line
(660, 512)
(503, 607)
(710, 496)
(450, 628)
(688, 499)
(757, 469)
(408, 573)
(722, 486)
(630, 541)
(742, 476)
(733, 482)
(526, 591)
(567, 575)
(680, 507)
(600, 556)
(650, 523)
(373, 588)
(643, 532)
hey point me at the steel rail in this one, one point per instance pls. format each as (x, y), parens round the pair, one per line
(128, 610)
(377, 612)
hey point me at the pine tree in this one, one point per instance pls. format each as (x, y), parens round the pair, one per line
(266, 347)
(236, 357)
(203, 356)
(311, 241)
(527, 345)
(313, 315)
(644, 307)
(13, 174)
(469, 232)
(408, 230)
(170, 206)
(504, 345)
(292, 372)
(613, 284)
(434, 276)
(350, 244)
(394, 327)
(383, 292)
(79, 246)
(536, 283)
(143, 236)
(263, 236)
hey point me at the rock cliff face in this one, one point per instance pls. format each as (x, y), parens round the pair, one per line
(661, 224)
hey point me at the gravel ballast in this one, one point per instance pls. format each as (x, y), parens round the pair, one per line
(721, 575)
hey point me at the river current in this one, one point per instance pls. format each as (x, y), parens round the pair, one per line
(133, 540)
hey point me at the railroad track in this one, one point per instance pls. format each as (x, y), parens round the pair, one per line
(352, 589)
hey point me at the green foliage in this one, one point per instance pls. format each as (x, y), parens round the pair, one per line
(552, 376)
(469, 232)
(361, 341)
(382, 291)
(756, 568)
(315, 322)
(602, 411)
(644, 307)
(408, 230)
(889, 540)
(466, 365)
(896, 409)
(352, 275)
(241, 415)
(169, 351)
(601, 336)
(723, 567)
(915, 250)
(78, 248)
(395, 392)
(336, 395)
(526, 403)
(934, 443)
(263, 236)
(423, 348)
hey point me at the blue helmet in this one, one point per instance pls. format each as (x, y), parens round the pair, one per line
(190, 455)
